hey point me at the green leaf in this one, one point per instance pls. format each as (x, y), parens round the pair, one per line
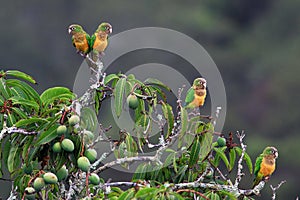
(221, 154)
(119, 93)
(168, 114)
(11, 119)
(55, 93)
(33, 120)
(184, 125)
(6, 149)
(25, 102)
(232, 157)
(88, 119)
(169, 160)
(18, 93)
(4, 90)
(131, 146)
(143, 120)
(1, 121)
(246, 158)
(194, 154)
(13, 157)
(47, 136)
(25, 149)
(21, 75)
(145, 193)
(127, 195)
(109, 78)
(207, 139)
(140, 172)
(19, 112)
(25, 87)
(181, 173)
(152, 81)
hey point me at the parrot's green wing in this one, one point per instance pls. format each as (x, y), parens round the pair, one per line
(92, 40)
(258, 176)
(88, 38)
(189, 96)
(257, 164)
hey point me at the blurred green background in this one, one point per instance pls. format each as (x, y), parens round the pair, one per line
(255, 44)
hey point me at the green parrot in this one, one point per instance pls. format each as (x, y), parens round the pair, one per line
(99, 40)
(80, 39)
(195, 96)
(265, 164)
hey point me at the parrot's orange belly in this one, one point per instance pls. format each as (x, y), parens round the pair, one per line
(198, 101)
(100, 45)
(82, 47)
(266, 169)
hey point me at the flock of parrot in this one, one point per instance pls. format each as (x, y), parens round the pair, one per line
(84, 43)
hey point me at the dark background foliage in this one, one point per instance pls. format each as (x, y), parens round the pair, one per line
(255, 45)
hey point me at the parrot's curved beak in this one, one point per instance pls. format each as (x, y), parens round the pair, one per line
(69, 30)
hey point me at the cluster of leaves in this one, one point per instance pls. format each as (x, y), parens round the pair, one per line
(39, 136)
(33, 146)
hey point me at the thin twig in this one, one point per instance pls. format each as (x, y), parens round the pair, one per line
(240, 173)
(276, 188)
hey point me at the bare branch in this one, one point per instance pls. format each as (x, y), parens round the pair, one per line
(13, 129)
(240, 166)
(126, 160)
(276, 188)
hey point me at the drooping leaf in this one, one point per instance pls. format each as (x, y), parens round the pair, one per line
(4, 90)
(169, 160)
(21, 75)
(25, 103)
(33, 120)
(246, 158)
(194, 153)
(222, 155)
(11, 119)
(168, 114)
(153, 81)
(181, 173)
(109, 78)
(1, 121)
(143, 121)
(52, 94)
(19, 93)
(127, 195)
(232, 157)
(25, 87)
(140, 172)
(144, 193)
(184, 125)
(13, 157)
(207, 139)
(26, 147)
(131, 146)
(88, 119)
(47, 136)
(119, 94)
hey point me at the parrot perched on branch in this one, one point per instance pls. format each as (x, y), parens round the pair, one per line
(99, 40)
(80, 39)
(265, 165)
(195, 96)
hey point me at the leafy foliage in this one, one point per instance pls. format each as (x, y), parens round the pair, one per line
(45, 133)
